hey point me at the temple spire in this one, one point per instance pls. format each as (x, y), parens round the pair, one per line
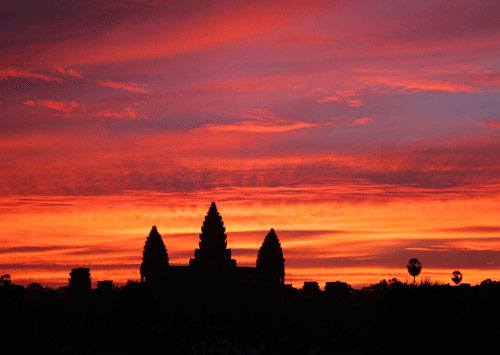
(213, 250)
(270, 260)
(154, 257)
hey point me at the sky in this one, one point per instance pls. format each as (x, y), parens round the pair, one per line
(365, 133)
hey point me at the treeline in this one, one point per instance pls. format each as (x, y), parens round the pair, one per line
(232, 319)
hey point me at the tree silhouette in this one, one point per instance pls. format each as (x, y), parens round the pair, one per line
(5, 280)
(457, 277)
(486, 282)
(270, 261)
(154, 257)
(414, 267)
(35, 287)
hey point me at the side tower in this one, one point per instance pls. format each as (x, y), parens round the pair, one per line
(213, 254)
(270, 261)
(154, 257)
(80, 280)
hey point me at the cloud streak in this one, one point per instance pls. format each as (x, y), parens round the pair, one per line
(262, 121)
(128, 86)
(360, 121)
(25, 74)
(347, 96)
(129, 113)
(71, 72)
(490, 124)
(134, 38)
(61, 106)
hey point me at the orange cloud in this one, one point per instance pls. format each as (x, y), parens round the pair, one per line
(420, 84)
(256, 127)
(262, 121)
(17, 73)
(375, 240)
(347, 96)
(129, 86)
(360, 121)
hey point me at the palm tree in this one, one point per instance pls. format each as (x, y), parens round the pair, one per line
(414, 267)
(457, 277)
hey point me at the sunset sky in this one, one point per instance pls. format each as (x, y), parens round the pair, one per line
(365, 133)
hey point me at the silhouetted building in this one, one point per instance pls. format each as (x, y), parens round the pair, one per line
(310, 287)
(79, 280)
(106, 285)
(154, 257)
(212, 260)
(270, 261)
(213, 252)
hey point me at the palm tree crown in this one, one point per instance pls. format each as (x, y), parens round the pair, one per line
(457, 277)
(414, 267)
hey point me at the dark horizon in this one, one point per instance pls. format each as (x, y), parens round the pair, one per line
(228, 316)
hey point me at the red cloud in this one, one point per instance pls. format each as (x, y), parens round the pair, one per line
(61, 106)
(401, 81)
(360, 121)
(169, 35)
(490, 124)
(262, 121)
(128, 114)
(71, 72)
(129, 86)
(256, 127)
(16, 73)
(347, 96)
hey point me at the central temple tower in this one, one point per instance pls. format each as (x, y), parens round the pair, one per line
(213, 253)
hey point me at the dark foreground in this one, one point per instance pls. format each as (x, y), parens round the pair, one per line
(389, 317)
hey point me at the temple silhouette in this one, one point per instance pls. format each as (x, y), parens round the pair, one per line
(213, 306)
(212, 261)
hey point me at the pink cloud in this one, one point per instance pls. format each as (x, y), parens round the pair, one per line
(490, 124)
(262, 121)
(262, 114)
(361, 121)
(170, 35)
(129, 113)
(61, 106)
(128, 86)
(71, 72)
(419, 84)
(347, 96)
(249, 126)
(16, 73)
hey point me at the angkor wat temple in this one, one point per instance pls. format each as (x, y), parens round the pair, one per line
(212, 261)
